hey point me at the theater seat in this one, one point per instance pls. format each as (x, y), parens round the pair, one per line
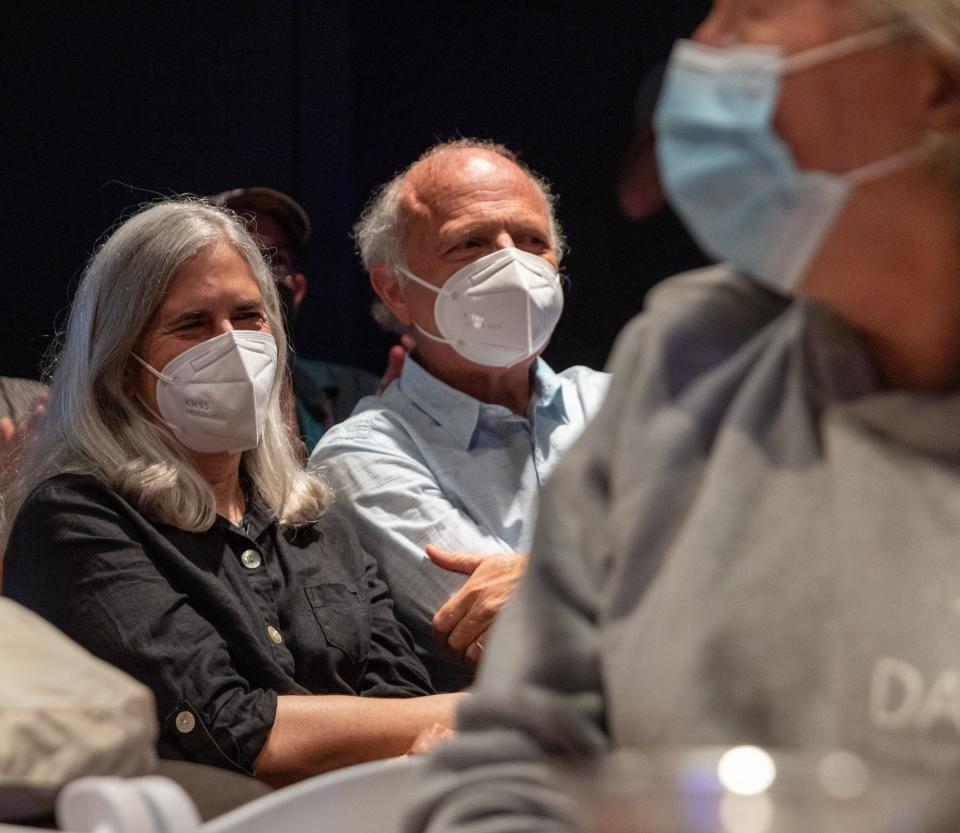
(367, 798)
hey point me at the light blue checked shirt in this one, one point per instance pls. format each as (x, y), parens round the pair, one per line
(428, 464)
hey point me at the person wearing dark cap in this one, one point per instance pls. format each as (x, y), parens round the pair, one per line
(324, 393)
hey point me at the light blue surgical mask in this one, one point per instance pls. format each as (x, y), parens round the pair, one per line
(731, 178)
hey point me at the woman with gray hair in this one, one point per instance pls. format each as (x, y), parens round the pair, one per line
(163, 521)
(756, 539)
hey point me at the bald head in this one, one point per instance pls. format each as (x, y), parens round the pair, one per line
(466, 169)
(381, 230)
(458, 193)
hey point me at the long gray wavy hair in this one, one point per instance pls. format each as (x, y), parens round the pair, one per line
(95, 426)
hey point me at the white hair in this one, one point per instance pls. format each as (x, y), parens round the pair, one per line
(938, 21)
(380, 232)
(95, 426)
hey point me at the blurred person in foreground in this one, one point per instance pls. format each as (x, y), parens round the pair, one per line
(163, 521)
(323, 393)
(441, 475)
(755, 541)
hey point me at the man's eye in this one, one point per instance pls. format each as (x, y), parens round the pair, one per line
(535, 241)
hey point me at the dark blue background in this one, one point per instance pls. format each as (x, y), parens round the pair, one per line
(109, 104)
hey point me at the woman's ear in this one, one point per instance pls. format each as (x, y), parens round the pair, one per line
(388, 287)
(129, 380)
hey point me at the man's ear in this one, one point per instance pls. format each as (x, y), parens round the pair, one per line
(388, 287)
(298, 283)
(942, 101)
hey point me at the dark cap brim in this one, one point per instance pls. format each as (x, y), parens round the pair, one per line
(263, 200)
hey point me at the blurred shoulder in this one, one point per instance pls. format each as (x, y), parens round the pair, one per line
(714, 293)
(705, 311)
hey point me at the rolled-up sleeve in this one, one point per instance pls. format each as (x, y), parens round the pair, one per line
(78, 556)
(395, 503)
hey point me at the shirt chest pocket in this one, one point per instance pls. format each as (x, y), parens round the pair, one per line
(344, 618)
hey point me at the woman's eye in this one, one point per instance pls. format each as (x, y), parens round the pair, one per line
(251, 318)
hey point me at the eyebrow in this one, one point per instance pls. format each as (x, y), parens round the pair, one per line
(187, 317)
(526, 226)
(190, 316)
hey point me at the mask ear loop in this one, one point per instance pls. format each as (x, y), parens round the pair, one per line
(162, 377)
(441, 339)
(439, 290)
(848, 45)
(882, 167)
(140, 399)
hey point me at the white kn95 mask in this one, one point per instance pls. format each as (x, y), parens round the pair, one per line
(214, 396)
(498, 310)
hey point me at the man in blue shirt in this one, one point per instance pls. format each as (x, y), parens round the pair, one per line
(441, 475)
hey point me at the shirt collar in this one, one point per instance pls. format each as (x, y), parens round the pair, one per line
(549, 391)
(256, 519)
(459, 413)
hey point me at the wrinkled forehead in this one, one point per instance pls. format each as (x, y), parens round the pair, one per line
(457, 181)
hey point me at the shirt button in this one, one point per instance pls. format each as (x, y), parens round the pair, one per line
(251, 559)
(185, 722)
(275, 636)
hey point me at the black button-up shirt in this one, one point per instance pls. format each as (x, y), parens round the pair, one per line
(216, 623)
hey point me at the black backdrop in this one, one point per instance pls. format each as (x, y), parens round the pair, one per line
(109, 104)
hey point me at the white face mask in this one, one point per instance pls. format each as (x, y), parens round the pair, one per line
(499, 309)
(214, 396)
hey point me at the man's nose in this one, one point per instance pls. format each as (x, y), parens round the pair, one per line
(717, 29)
(504, 241)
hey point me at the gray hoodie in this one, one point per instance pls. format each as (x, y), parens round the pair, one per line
(750, 543)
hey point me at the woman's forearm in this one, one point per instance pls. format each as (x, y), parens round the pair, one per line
(314, 734)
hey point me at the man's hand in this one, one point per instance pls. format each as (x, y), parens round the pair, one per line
(430, 739)
(395, 360)
(462, 622)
